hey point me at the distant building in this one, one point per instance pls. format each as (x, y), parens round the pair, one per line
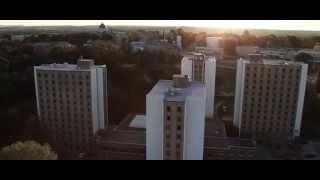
(179, 42)
(317, 46)
(201, 68)
(278, 53)
(269, 98)
(63, 45)
(72, 103)
(18, 37)
(216, 52)
(214, 42)
(255, 57)
(175, 120)
(137, 46)
(244, 51)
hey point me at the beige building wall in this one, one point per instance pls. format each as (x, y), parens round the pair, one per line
(67, 106)
(173, 130)
(270, 99)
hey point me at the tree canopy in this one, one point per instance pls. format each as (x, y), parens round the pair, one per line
(28, 150)
(304, 57)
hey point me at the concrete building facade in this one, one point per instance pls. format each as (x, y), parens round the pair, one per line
(72, 102)
(201, 68)
(269, 98)
(175, 118)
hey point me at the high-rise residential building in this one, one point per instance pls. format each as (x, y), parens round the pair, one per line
(201, 68)
(175, 113)
(269, 98)
(72, 102)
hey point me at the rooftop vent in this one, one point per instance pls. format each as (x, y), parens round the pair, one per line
(180, 81)
(85, 63)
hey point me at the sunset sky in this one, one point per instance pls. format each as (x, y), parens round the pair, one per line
(313, 25)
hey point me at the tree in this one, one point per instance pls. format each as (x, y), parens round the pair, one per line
(28, 150)
(304, 57)
(294, 42)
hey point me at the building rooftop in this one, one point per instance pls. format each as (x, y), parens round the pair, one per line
(227, 142)
(214, 37)
(126, 135)
(122, 137)
(199, 56)
(166, 88)
(87, 63)
(215, 128)
(276, 62)
(139, 121)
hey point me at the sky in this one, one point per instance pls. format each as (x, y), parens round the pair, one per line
(308, 25)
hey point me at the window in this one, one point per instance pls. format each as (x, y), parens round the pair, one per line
(179, 109)
(168, 135)
(178, 127)
(168, 118)
(168, 153)
(168, 109)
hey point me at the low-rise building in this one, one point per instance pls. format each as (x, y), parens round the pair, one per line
(137, 46)
(216, 52)
(244, 51)
(127, 141)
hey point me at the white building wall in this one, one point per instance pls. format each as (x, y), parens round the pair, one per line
(186, 67)
(302, 90)
(239, 93)
(194, 123)
(37, 93)
(213, 42)
(94, 99)
(210, 78)
(154, 124)
(100, 98)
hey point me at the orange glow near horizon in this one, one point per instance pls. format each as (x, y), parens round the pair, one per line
(308, 25)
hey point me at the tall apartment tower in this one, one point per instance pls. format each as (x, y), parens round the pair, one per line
(269, 98)
(201, 68)
(175, 115)
(72, 102)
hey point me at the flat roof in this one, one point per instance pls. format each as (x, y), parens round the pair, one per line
(215, 128)
(227, 142)
(137, 136)
(274, 62)
(122, 137)
(66, 66)
(139, 121)
(162, 87)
